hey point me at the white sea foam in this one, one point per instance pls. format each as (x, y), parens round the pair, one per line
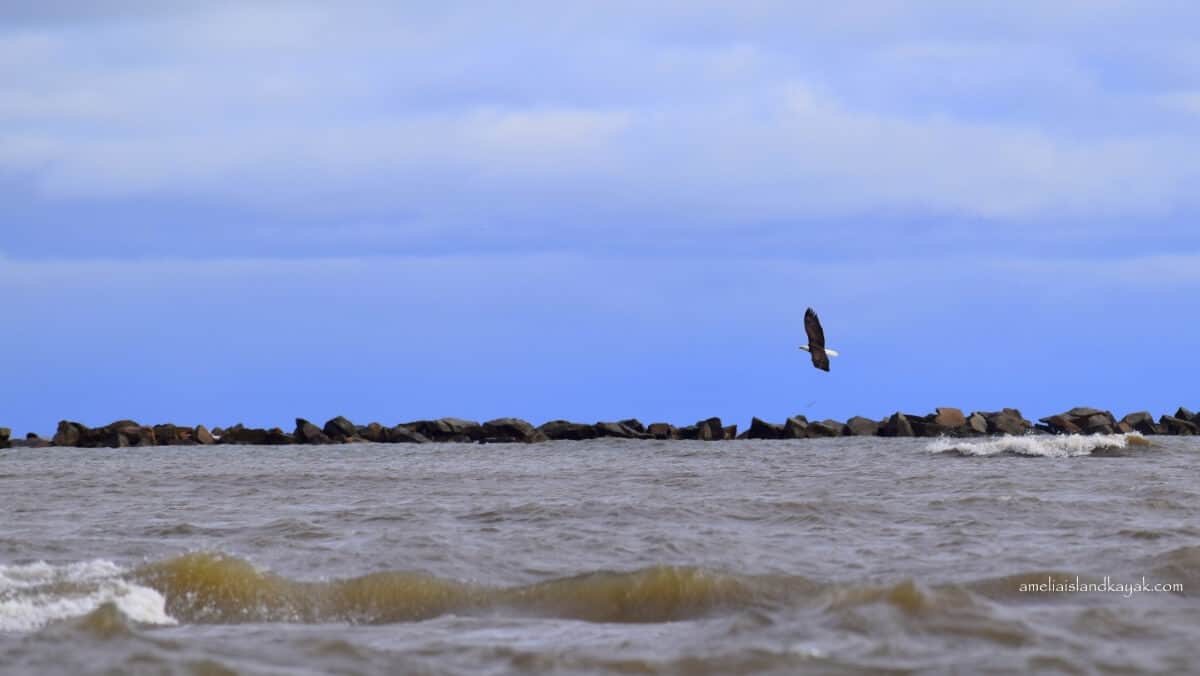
(1045, 445)
(35, 594)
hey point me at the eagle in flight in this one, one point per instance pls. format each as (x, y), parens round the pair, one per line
(816, 341)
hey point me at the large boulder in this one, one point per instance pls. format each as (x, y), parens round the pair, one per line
(239, 434)
(859, 426)
(1186, 414)
(795, 427)
(340, 429)
(635, 425)
(710, 429)
(277, 437)
(5, 433)
(308, 433)
(730, 432)
(1172, 425)
(447, 429)
(566, 430)
(615, 429)
(761, 429)
(132, 435)
(976, 424)
(1081, 420)
(826, 428)
(402, 434)
(69, 433)
(203, 436)
(949, 418)
(662, 430)
(1007, 421)
(896, 426)
(373, 432)
(1141, 421)
(1060, 424)
(688, 432)
(508, 430)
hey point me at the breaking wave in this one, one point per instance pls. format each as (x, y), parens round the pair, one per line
(36, 594)
(1044, 445)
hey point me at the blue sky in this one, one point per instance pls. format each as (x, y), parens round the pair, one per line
(248, 211)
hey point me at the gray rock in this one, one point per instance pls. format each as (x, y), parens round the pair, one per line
(447, 429)
(977, 423)
(1186, 414)
(635, 425)
(340, 429)
(795, 427)
(761, 429)
(402, 434)
(308, 433)
(615, 429)
(1141, 421)
(896, 426)
(826, 428)
(862, 427)
(1172, 425)
(567, 430)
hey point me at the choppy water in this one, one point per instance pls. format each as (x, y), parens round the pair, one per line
(604, 556)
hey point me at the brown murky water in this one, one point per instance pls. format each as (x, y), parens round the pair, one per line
(833, 556)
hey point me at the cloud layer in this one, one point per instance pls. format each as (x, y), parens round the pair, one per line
(573, 126)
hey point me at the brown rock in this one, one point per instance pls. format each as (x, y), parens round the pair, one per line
(340, 429)
(203, 436)
(308, 433)
(401, 434)
(5, 433)
(614, 429)
(635, 425)
(567, 430)
(662, 430)
(710, 429)
(730, 432)
(795, 427)
(507, 430)
(826, 428)
(68, 434)
(977, 424)
(1061, 424)
(1141, 421)
(761, 429)
(1007, 421)
(896, 426)
(1172, 425)
(949, 418)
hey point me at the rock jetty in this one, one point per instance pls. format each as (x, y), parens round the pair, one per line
(944, 421)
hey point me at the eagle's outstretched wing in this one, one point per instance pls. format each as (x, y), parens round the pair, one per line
(816, 340)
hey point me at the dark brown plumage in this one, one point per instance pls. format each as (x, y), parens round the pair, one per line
(816, 340)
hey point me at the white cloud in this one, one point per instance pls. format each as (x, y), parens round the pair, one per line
(705, 114)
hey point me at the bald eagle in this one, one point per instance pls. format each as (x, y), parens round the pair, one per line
(816, 341)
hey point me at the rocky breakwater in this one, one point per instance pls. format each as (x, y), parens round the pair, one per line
(944, 421)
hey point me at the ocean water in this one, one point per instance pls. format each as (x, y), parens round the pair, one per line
(1047, 554)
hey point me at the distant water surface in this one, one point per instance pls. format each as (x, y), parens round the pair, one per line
(603, 556)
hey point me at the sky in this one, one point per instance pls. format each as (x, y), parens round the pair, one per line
(219, 212)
